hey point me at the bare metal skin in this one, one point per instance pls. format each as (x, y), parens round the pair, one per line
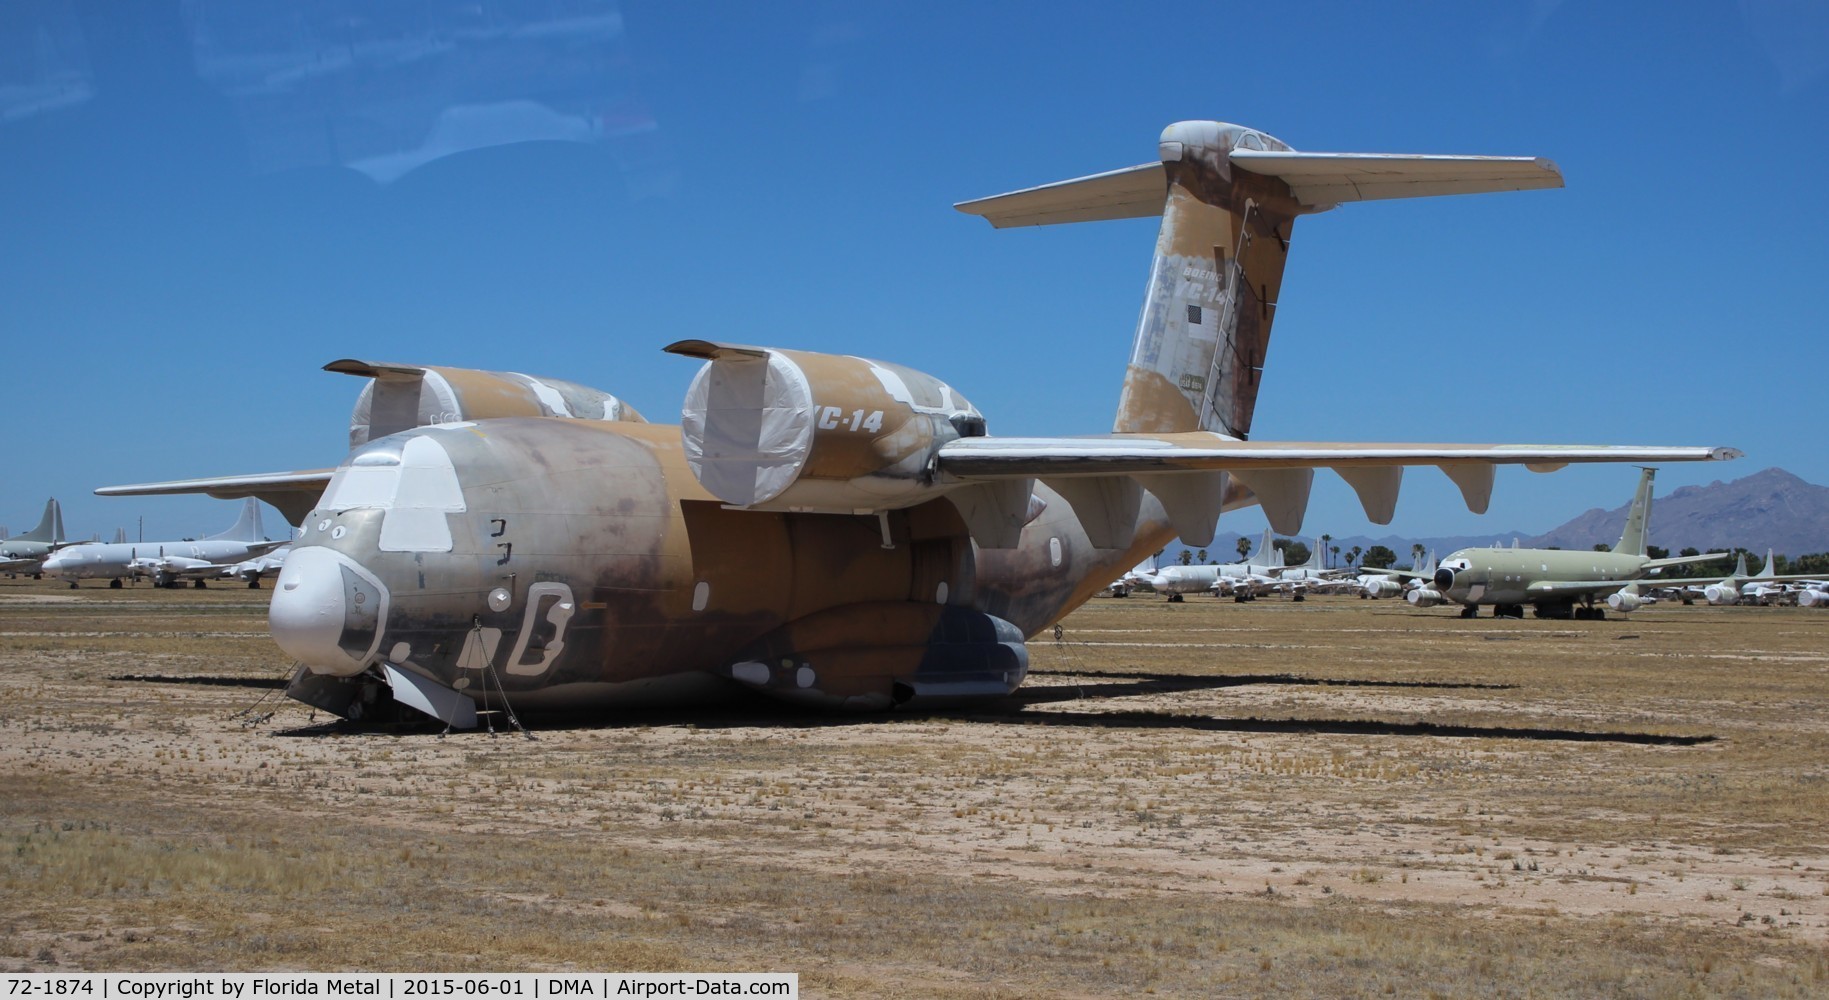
(827, 530)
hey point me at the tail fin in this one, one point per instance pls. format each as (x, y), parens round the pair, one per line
(1228, 197)
(50, 527)
(1771, 568)
(1314, 555)
(246, 527)
(1266, 550)
(1638, 518)
(1740, 567)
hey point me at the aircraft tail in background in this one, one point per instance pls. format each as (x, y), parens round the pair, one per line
(50, 527)
(246, 527)
(1638, 517)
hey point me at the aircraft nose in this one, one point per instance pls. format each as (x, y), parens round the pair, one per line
(309, 612)
(1444, 578)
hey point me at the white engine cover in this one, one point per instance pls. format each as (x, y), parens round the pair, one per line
(795, 430)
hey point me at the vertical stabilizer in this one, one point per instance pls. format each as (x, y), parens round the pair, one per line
(246, 527)
(1638, 518)
(1204, 329)
(50, 527)
(1771, 567)
(1739, 572)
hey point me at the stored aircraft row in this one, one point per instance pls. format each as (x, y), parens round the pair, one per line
(829, 529)
(166, 563)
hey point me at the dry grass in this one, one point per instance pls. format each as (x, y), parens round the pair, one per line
(1334, 798)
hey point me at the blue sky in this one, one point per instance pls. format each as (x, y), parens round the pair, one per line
(177, 257)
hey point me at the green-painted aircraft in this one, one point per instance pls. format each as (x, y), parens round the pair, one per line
(1556, 583)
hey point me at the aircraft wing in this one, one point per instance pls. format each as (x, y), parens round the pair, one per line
(1278, 473)
(10, 565)
(291, 493)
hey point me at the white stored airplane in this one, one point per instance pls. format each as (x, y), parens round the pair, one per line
(1176, 581)
(25, 553)
(252, 570)
(165, 563)
(1392, 583)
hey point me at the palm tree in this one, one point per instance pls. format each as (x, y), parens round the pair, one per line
(1186, 557)
(1324, 540)
(1244, 547)
(1335, 551)
(1353, 556)
(1201, 557)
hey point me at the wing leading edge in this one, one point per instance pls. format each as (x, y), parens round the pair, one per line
(291, 493)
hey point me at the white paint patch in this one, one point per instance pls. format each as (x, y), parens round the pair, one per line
(701, 596)
(400, 652)
(940, 593)
(805, 677)
(499, 599)
(339, 531)
(427, 491)
(751, 672)
(1054, 552)
(548, 396)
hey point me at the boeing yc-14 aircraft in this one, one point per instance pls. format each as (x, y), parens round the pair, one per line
(828, 529)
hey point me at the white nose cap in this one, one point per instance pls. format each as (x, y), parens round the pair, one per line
(307, 613)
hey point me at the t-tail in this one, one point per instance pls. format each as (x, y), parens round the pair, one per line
(1229, 197)
(1638, 517)
(50, 527)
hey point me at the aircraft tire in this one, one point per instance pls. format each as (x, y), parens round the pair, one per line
(114, 584)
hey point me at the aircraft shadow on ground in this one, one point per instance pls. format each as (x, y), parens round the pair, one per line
(204, 680)
(1132, 719)
(754, 712)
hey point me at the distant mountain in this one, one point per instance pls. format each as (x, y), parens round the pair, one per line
(1767, 510)
(1772, 509)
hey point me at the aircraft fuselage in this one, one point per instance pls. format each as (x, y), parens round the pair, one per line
(580, 562)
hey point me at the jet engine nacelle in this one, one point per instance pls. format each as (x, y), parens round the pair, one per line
(402, 397)
(1424, 597)
(1813, 598)
(1624, 602)
(1383, 587)
(800, 431)
(1721, 595)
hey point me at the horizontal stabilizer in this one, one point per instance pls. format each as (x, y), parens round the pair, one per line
(1319, 179)
(291, 493)
(1130, 193)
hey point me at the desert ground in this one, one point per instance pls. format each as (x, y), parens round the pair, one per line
(1331, 798)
